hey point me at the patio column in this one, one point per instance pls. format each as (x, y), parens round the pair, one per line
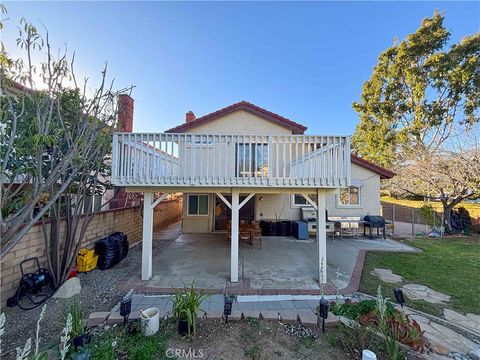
(148, 206)
(321, 237)
(234, 236)
(147, 236)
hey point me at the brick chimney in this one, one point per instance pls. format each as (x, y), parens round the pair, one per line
(189, 116)
(125, 113)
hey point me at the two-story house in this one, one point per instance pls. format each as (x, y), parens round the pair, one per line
(244, 163)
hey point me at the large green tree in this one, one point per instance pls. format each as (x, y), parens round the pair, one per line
(421, 89)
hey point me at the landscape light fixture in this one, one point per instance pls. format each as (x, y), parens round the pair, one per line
(125, 308)
(322, 312)
(227, 307)
(399, 296)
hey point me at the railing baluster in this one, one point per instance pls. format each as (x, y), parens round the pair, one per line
(242, 174)
(266, 160)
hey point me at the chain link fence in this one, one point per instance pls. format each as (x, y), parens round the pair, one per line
(406, 220)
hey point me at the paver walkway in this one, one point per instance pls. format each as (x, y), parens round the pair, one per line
(286, 307)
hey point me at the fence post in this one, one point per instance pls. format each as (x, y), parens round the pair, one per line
(393, 218)
(413, 222)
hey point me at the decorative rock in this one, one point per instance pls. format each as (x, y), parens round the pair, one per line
(468, 321)
(435, 356)
(422, 292)
(458, 356)
(474, 354)
(448, 339)
(298, 330)
(68, 289)
(387, 275)
(438, 348)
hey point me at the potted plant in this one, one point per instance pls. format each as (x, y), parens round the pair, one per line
(186, 303)
(77, 333)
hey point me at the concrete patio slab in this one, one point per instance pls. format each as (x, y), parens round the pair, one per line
(282, 265)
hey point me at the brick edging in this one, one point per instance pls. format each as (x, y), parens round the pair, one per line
(354, 283)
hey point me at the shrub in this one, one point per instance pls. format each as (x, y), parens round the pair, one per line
(355, 310)
(78, 317)
(400, 327)
(427, 212)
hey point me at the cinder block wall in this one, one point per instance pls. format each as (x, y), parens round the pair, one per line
(127, 220)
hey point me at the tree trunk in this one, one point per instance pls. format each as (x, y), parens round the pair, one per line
(447, 215)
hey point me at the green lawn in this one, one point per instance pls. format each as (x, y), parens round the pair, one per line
(449, 265)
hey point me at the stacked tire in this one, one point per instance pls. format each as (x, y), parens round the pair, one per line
(122, 244)
(111, 250)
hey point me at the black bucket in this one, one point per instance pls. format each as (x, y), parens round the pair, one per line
(183, 328)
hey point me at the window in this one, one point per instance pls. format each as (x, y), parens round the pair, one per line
(299, 201)
(197, 205)
(349, 196)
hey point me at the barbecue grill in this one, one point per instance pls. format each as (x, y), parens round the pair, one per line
(374, 222)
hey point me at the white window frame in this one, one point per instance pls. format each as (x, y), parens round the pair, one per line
(188, 205)
(341, 206)
(307, 204)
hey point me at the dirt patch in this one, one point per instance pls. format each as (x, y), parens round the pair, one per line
(257, 339)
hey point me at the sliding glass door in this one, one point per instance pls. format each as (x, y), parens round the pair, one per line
(251, 160)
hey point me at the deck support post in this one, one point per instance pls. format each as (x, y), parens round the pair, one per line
(148, 205)
(235, 206)
(234, 236)
(147, 236)
(321, 237)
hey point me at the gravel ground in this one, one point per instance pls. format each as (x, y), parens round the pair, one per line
(99, 293)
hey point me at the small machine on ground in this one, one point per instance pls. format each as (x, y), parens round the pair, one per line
(35, 287)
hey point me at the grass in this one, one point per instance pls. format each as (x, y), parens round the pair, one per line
(473, 209)
(449, 265)
(115, 344)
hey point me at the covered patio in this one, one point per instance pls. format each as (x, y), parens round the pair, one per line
(281, 265)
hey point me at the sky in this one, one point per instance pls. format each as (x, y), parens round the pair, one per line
(306, 61)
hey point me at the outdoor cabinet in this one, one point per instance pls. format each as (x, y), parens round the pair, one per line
(300, 230)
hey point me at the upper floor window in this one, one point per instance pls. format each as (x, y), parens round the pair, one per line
(349, 196)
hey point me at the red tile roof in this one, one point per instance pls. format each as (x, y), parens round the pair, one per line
(246, 106)
(384, 173)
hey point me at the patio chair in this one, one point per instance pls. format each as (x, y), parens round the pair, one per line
(256, 237)
(244, 235)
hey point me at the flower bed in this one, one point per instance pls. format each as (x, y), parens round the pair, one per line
(381, 316)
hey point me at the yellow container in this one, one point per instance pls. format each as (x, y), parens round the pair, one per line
(86, 260)
(87, 254)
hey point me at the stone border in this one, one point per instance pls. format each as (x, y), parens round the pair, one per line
(284, 316)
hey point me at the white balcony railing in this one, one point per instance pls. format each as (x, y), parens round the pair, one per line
(230, 160)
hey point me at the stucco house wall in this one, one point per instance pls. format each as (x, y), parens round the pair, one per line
(240, 122)
(272, 206)
(280, 206)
